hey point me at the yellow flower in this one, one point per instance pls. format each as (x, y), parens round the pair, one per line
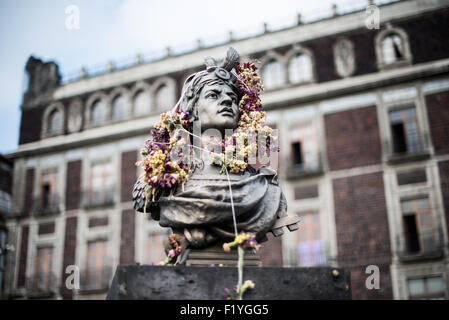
(226, 247)
(248, 284)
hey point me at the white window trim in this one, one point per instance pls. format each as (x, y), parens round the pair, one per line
(407, 60)
(36, 241)
(144, 86)
(420, 271)
(394, 194)
(89, 104)
(171, 85)
(384, 109)
(110, 233)
(144, 228)
(290, 54)
(125, 93)
(46, 118)
(268, 57)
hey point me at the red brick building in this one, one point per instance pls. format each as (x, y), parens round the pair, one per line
(363, 120)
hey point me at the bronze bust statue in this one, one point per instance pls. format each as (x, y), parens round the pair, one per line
(202, 212)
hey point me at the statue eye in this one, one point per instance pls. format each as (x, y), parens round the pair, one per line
(212, 95)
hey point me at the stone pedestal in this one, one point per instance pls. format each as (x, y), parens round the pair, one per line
(208, 283)
(215, 255)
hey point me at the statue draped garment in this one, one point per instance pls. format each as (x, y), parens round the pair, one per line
(203, 212)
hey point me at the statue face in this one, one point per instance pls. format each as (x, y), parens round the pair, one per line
(218, 107)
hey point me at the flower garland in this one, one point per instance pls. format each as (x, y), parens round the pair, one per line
(162, 174)
(250, 125)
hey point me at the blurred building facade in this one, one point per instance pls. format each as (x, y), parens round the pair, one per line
(363, 120)
(6, 168)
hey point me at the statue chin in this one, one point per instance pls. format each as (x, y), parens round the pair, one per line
(221, 123)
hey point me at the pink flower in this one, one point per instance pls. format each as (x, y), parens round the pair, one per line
(171, 253)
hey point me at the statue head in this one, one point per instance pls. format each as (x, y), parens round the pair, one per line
(212, 97)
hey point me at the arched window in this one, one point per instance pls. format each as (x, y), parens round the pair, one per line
(273, 74)
(300, 68)
(119, 107)
(392, 49)
(98, 112)
(164, 98)
(55, 122)
(142, 102)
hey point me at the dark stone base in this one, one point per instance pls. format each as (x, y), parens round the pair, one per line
(208, 283)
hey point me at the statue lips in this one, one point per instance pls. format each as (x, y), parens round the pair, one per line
(226, 111)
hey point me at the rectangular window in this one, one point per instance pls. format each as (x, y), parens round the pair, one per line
(309, 245)
(49, 199)
(432, 288)
(297, 156)
(101, 183)
(43, 274)
(154, 249)
(98, 268)
(5, 202)
(304, 148)
(419, 233)
(404, 131)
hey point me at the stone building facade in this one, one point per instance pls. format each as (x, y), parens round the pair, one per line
(6, 168)
(363, 120)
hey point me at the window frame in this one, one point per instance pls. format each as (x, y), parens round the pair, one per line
(104, 191)
(124, 93)
(106, 263)
(322, 239)
(138, 87)
(54, 202)
(156, 86)
(268, 58)
(402, 107)
(49, 274)
(54, 107)
(390, 103)
(426, 295)
(390, 30)
(151, 233)
(90, 104)
(298, 126)
(417, 213)
(298, 50)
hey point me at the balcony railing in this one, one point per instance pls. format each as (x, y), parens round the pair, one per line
(425, 245)
(305, 169)
(42, 285)
(214, 40)
(98, 197)
(96, 279)
(46, 205)
(419, 151)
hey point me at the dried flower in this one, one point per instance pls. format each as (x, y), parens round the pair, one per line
(174, 246)
(245, 239)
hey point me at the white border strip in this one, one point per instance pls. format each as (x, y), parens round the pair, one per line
(347, 103)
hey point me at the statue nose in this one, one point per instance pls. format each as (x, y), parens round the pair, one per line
(227, 101)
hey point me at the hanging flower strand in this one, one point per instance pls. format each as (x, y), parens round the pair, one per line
(244, 241)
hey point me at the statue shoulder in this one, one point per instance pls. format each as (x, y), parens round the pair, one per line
(268, 172)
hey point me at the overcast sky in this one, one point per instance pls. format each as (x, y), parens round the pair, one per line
(119, 29)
